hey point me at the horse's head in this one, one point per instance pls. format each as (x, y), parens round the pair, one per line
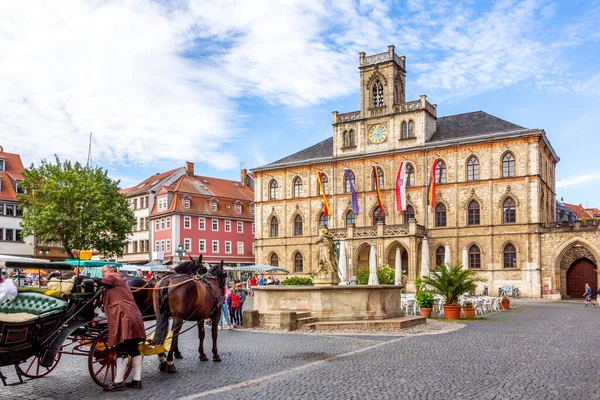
(219, 272)
(191, 267)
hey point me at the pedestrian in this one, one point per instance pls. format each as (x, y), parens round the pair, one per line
(253, 283)
(225, 309)
(588, 296)
(139, 273)
(241, 293)
(598, 295)
(235, 304)
(125, 327)
(261, 281)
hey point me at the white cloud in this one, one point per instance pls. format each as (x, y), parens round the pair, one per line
(577, 180)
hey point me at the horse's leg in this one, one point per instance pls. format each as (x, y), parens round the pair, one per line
(215, 327)
(201, 337)
(177, 324)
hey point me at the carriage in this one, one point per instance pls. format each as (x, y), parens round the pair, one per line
(41, 325)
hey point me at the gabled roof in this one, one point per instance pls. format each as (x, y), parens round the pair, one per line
(476, 123)
(595, 212)
(7, 191)
(579, 210)
(13, 165)
(148, 183)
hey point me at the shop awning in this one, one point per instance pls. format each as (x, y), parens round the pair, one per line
(259, 268)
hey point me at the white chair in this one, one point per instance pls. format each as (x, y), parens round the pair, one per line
(410, 306)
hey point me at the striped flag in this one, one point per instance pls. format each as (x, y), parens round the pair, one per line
(378, 189)
(326, 209)
(354, 198)
(401, 188)
(431, 189)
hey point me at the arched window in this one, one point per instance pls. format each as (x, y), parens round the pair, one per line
(325, 181)
(298, 226)
(345, 137)
(404, 130)
(440, 252)
(377, 94)
(440, 215)
(379, 176)
(411, 128)
(273, 190)
(298, 262)
(509, 211)
(473, 213)
(274, 261)
(378, 216)
(508, 165)
(409, 214)
(410, 175)
(510, 256)
(474, 257)
(350, 218)
(440, 172)
(347, 181)
(351, 139)
(274, 227)
(297, 187)
(323, 221)
(473, 169)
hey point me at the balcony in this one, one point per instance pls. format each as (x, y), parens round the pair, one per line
(378, 231)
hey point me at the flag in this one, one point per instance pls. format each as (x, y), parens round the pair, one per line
(354, 198)
(431, 189)
(326, 209)
(378, 189)
(401, 188)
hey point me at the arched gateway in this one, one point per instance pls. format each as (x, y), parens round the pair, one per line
(577, 265)
(582, 271)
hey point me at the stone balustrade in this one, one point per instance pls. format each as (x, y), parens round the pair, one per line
(348, 117)
(378, 231)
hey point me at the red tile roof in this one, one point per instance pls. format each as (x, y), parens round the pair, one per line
(7, 191)
(147, 184)
(595, 212)
(12, 169)
(579, 210)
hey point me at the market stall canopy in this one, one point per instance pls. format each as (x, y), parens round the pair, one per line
(145, 268)
(4, 258)
(91, 267)
(39, 265)
(258, 268)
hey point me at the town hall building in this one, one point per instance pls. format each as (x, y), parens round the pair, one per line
(495, 194)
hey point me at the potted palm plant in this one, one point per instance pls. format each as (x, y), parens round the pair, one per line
(468, 310)
(505, 302)
(425, 302)
(451, 282)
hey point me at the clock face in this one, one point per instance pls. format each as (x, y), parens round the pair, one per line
(378, 133)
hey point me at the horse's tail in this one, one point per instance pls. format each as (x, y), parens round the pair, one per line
(163, 312)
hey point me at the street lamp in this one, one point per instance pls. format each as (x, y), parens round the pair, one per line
(43, 251)
(180, 251)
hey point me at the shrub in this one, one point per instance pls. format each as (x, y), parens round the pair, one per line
(467, 304)
(297, 281)
(425, 299)
(385, 275)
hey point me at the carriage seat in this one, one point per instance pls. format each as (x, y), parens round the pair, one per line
(32, 303)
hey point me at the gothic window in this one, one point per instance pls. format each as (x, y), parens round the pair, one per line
(378, 216)
(349, 139)
(297, 187)
(350, 218)
(298, 226)
(379, 176)
(440, 172)
(273, 190)
(325, 181)
(440, 252)
(474, 257)
(274, 227)
(347, 182)
(323, 221)
(508, 165)
(404, 130)
(473, 169)
(509, 211)
(410, 175)
(298, 262)
(473, 213)
(377, 94)
(411, 129)
(510, 256)
(274, 261)
(409, 214)
(440, 215)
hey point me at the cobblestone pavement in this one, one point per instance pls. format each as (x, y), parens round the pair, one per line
(534, 351)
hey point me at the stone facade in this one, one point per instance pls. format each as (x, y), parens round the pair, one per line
(453, 140)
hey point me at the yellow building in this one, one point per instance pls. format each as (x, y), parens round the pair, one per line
(495, 191)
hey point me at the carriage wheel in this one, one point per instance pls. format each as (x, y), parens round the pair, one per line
(32, 368)
(102, 361)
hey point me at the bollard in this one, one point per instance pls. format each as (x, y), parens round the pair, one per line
(288, 321)
(250, 318)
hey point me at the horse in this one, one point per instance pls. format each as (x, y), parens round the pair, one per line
(187, 299)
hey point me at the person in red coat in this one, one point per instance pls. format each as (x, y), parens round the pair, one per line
(125, 327)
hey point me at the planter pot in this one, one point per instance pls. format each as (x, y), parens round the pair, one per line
(426, 312)
(505, 304)
(452, 312)
(468, 313)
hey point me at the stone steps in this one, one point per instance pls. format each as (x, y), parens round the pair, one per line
(307, 320)
(374, 324)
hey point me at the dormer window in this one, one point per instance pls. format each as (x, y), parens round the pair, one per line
(186, 203)
(377, 94)
(162, 204)
(213, 206)
(238, 208)
(2, 165)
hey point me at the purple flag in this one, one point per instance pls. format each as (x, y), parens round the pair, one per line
(354, 198)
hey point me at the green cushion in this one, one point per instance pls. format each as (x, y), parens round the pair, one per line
(32, 303)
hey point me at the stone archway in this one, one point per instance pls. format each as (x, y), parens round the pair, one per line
(361, 257)
(582, 263)
(390, 256)
(580, 272)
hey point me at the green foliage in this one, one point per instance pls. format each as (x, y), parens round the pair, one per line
(452, 281)
(385, 275)
(297, 281)
(418, 282)
(362, 276)
(77, 206)
(425, 299)
(467, 304)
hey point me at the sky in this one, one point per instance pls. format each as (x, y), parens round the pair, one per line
(231, 84)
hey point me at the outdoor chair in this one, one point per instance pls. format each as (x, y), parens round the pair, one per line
(410, 306)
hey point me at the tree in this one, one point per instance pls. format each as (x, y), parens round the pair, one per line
(79, 207)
